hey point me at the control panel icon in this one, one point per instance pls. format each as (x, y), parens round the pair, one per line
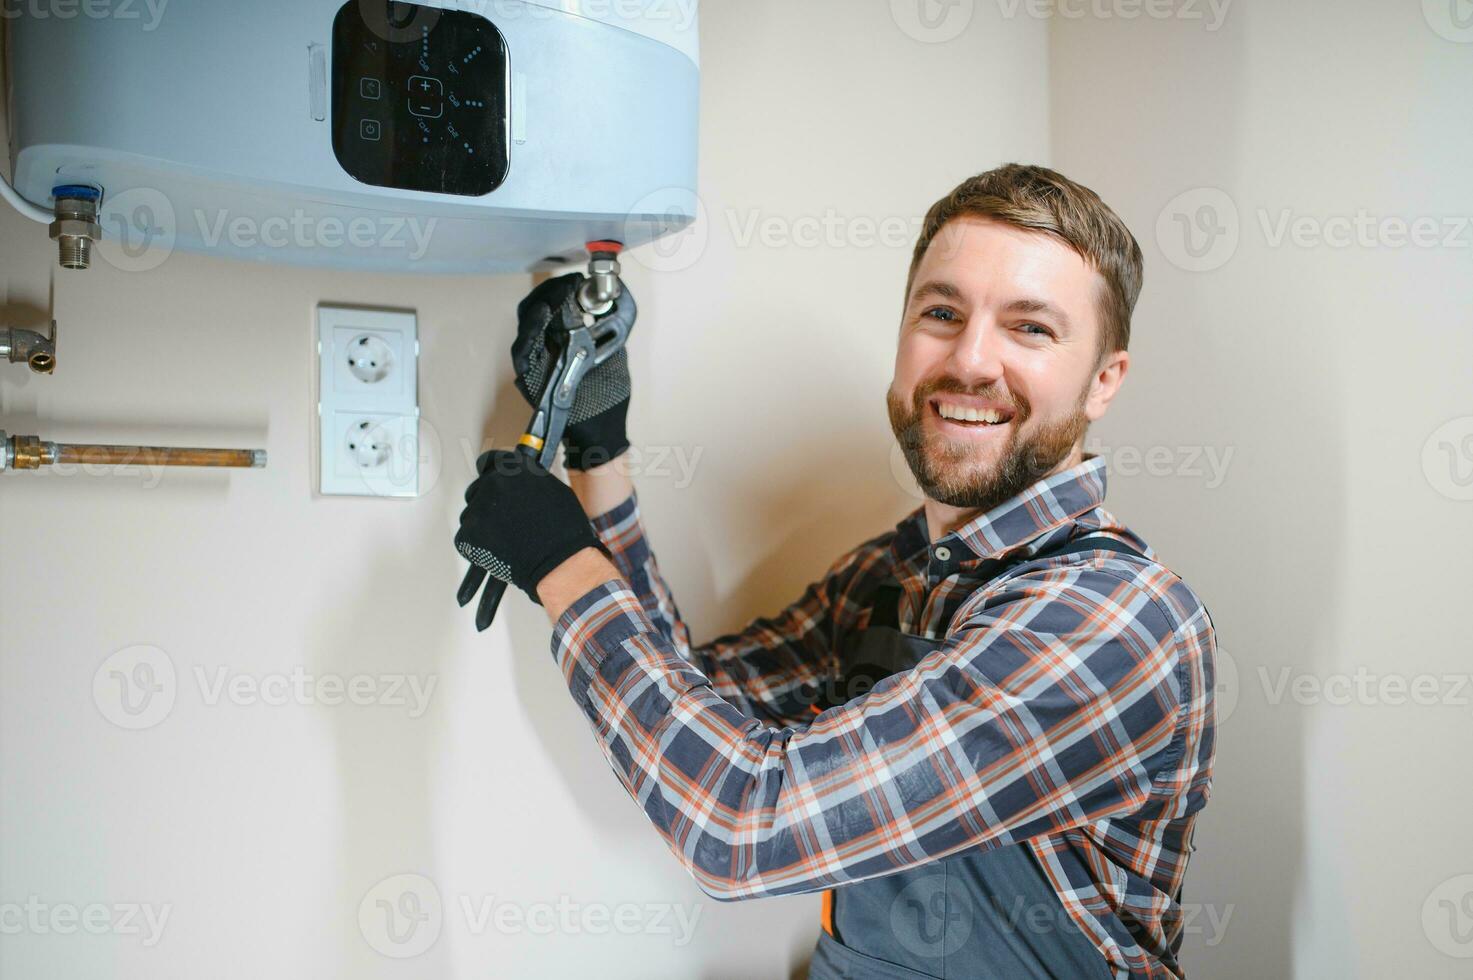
(426, 96)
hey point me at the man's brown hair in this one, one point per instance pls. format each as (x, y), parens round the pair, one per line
(1040, 199)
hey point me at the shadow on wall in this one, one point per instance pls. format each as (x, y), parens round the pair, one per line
(1170, 124)
(832, 502)
(831, 496)
(386, 763)
(385, 760)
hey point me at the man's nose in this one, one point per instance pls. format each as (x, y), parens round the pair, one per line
(976, 353)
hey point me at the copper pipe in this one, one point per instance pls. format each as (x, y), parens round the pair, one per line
(29, 453)
(157, 455)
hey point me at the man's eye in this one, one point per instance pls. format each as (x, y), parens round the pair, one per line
(1037, 330)
(940, 313)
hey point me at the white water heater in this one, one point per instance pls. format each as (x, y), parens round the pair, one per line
(446, 136)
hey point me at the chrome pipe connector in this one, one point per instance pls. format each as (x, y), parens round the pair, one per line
(598, 292)
(75, 227)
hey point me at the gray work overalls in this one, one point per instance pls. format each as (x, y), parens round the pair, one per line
(981, 914)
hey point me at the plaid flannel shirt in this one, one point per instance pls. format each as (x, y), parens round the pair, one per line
(1069, 708)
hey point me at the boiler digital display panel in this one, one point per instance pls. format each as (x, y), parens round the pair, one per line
(419, 97)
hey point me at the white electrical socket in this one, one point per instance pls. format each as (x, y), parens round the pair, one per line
(368, 402)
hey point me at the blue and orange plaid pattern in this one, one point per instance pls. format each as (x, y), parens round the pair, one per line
(1069, 708)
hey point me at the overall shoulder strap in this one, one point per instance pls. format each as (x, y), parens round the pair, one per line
(1090, 542)
(885, 603)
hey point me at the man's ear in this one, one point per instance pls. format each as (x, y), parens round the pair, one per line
(1108, 377)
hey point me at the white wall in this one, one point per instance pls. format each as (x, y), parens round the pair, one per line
(261, 828)
(1306, 405)
(1334, 544)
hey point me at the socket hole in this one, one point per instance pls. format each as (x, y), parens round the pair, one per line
(372, 360)
(373, 449)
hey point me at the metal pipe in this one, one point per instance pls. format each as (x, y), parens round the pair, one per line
(29, 453)
(17, 345)
(75, 227)
(599, 291)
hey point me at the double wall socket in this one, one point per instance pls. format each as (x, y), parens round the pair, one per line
(368, 402)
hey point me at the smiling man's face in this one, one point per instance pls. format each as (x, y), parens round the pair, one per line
(999, 369)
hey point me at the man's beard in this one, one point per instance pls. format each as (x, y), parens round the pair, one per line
(943, 467)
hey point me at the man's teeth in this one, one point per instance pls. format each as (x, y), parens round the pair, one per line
(961, 413)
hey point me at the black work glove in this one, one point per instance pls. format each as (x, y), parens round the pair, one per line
(521, 522)
(595, 432)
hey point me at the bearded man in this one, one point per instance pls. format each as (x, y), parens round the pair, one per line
(984, 735)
